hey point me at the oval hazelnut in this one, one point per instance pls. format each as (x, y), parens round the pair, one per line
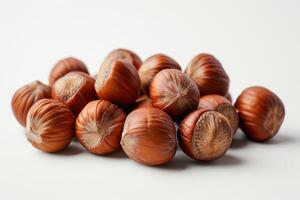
(118, 82)
(173, 92)
(205, 135)
(50, 125)
(99, 127)
(65, 66)
(261, 113)
(149, 136)
(26, 96)
(76, 89)
(222, 105)
(208, 74)
(152, 66)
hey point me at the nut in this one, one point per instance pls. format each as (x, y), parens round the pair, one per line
(65, 66)
(124, 55)
(149, 136)
(222, 105)
(152, 66)
(208, 74)
(205, 135)
(261, 113)
(173, 92)
(118, 82)
(75, 89)
(49, 125)
(26, 96)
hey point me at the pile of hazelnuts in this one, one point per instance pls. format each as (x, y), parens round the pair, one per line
(135, 105)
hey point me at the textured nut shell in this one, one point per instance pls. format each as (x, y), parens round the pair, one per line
(222, 105)
(204, 135)
(75, 89)
(26, 96)
(118, 82)
(208, 74)
(152, 66)
(65, 66)
(124, 55)
(99, 127)
(173, 92)
(149, 136)
(50, 125)
(261, 113)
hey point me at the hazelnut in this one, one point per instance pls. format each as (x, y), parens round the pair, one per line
(205, 135)
(261, 113)
(173, 92)
(149, 136)
(118, 82)
(152, 66)
(26, 96)
(99, 127)
(65, 66)
(49, 125)
(75, 89)
(222, 105)
(124, 55)
(208, 74)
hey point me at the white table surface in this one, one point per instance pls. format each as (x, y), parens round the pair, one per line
(258, 43)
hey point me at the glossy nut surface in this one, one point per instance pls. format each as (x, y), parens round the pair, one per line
(173, 92)
(152, 66)
(208, 74)
(222, 105)
(75, 89)
(124, 55)
(26, 96)
(50, 125)
(205, 135)
(149, 136)
(99, 127)
(261, 113)
(65, 66)
(118, 82)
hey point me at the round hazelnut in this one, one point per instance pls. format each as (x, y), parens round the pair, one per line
(152, 66)
(222, 105)
(50, 125)
(205, 135)
(124, 55)
(208, 74)
(118, 82)
(261, 113)
(173, 92)
(99, 127)
(75, 89)
(65, 66)
(26, 96)
(149, 136)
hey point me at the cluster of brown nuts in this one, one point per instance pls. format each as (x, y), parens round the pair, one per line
(134, 104)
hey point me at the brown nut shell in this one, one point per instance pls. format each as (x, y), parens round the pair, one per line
(152, 66)
(99, 127)
(118, 82)
(205, 135)
(76, 89)
(124, 55)
(261, 113)
(222, 105)
(50, 125)
(149, 136)
(26, 96)
(173, 92)
(208, 74)
(65, 66)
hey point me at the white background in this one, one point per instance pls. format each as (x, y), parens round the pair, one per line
(258, 43)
